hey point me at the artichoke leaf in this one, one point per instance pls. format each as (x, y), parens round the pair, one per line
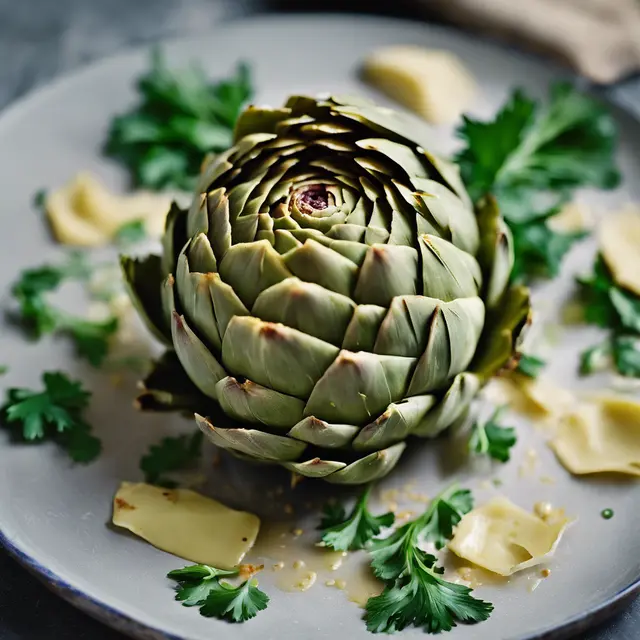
(376, 465)
(450, 213)
(167, 387)
(388, 271)
(453, 404)
(250, 268)
(143, 282)
(258, 445)
(362, 331)
(285, 241)
(313, 262)
(447, 272)
(350, 232)
(314, 468)
(203, 369)
(197, 216)
(201, 256)
(358, 386)
(395, 424)
(323, 434)
(250, 402)
(258, 120)
(275, 356)
(300, 304)
(174, 238)
(219, 226)
(196, 303)
(226, 303)
(503, 328)
(495, 254)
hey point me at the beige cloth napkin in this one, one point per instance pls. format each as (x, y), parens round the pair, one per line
(598, 38)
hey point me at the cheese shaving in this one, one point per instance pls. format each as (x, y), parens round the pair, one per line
(534, 397)
(432, 83)
(503, 538)
(599, 437)
(186, 524)
(85, 213)
(620, 247)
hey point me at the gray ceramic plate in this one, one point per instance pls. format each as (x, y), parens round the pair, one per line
(54, 516)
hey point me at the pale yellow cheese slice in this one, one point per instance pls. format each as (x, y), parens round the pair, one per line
(574, 216)
(84, 212)
(602, 436)
(620, 246)
(534, 397)
(432, 83)
(186, 524)
(503, 538)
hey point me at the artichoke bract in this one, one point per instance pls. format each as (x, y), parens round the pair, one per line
(331, 292)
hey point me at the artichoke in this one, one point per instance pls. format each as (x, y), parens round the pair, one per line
(331, 292)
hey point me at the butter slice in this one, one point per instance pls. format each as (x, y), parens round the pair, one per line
(186, 524)
(503, 538)
(599, 437)
(432, 83)
(620, 247)
(85, 213)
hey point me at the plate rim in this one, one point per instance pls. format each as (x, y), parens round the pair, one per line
(109, 614)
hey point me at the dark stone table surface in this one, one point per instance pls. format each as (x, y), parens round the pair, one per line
(40, 39)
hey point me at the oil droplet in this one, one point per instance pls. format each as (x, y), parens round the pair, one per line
(543, 509)
(278, 566)
(298, 564)
(341, 584)
(307, 581)
(528, 466)
(607, 514)
(545, 573)
(547, 480)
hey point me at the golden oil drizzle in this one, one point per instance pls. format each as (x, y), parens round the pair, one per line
(299, 564)
(461, 572)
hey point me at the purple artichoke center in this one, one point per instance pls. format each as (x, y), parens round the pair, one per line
(313, 198)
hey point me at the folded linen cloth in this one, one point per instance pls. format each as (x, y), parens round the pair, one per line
(598, 38)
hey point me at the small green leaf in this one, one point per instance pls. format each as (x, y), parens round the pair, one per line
(492, 439)
(343, 533)
(199, 585)
(626, 355)
(131, 233)
(55, 413)
(595, 358)
(40, 198)
(530, 366)
(171, 454)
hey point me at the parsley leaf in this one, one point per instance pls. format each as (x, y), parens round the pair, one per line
(171, 454)
(181, 117)
(530, 366)
(199, 585)
(40, 198)
(491, 439)
(415, 593)
(612, 307)
(3, 369)
(356, 531)
(131, 233)
(55, 413)
(39, 317)
(530, 155)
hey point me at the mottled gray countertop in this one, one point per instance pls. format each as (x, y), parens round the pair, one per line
(40, 39)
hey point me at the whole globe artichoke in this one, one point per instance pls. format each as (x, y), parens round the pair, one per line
(330, 293)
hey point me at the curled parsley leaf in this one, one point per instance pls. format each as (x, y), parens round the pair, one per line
(181, 116)
(491, 439)
(200, 586)
(532, 157)
(415, 593)
(54, 413)
(344, 533)
(171, 454)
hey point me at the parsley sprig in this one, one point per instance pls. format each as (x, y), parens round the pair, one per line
(200, 586)
(39, 317)
(609, 306)
(56, 413)
(169, 455)
(356, 531)
(532, 157)
(492, 439)
(415, 592)
(530, 366)
(181, 117)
